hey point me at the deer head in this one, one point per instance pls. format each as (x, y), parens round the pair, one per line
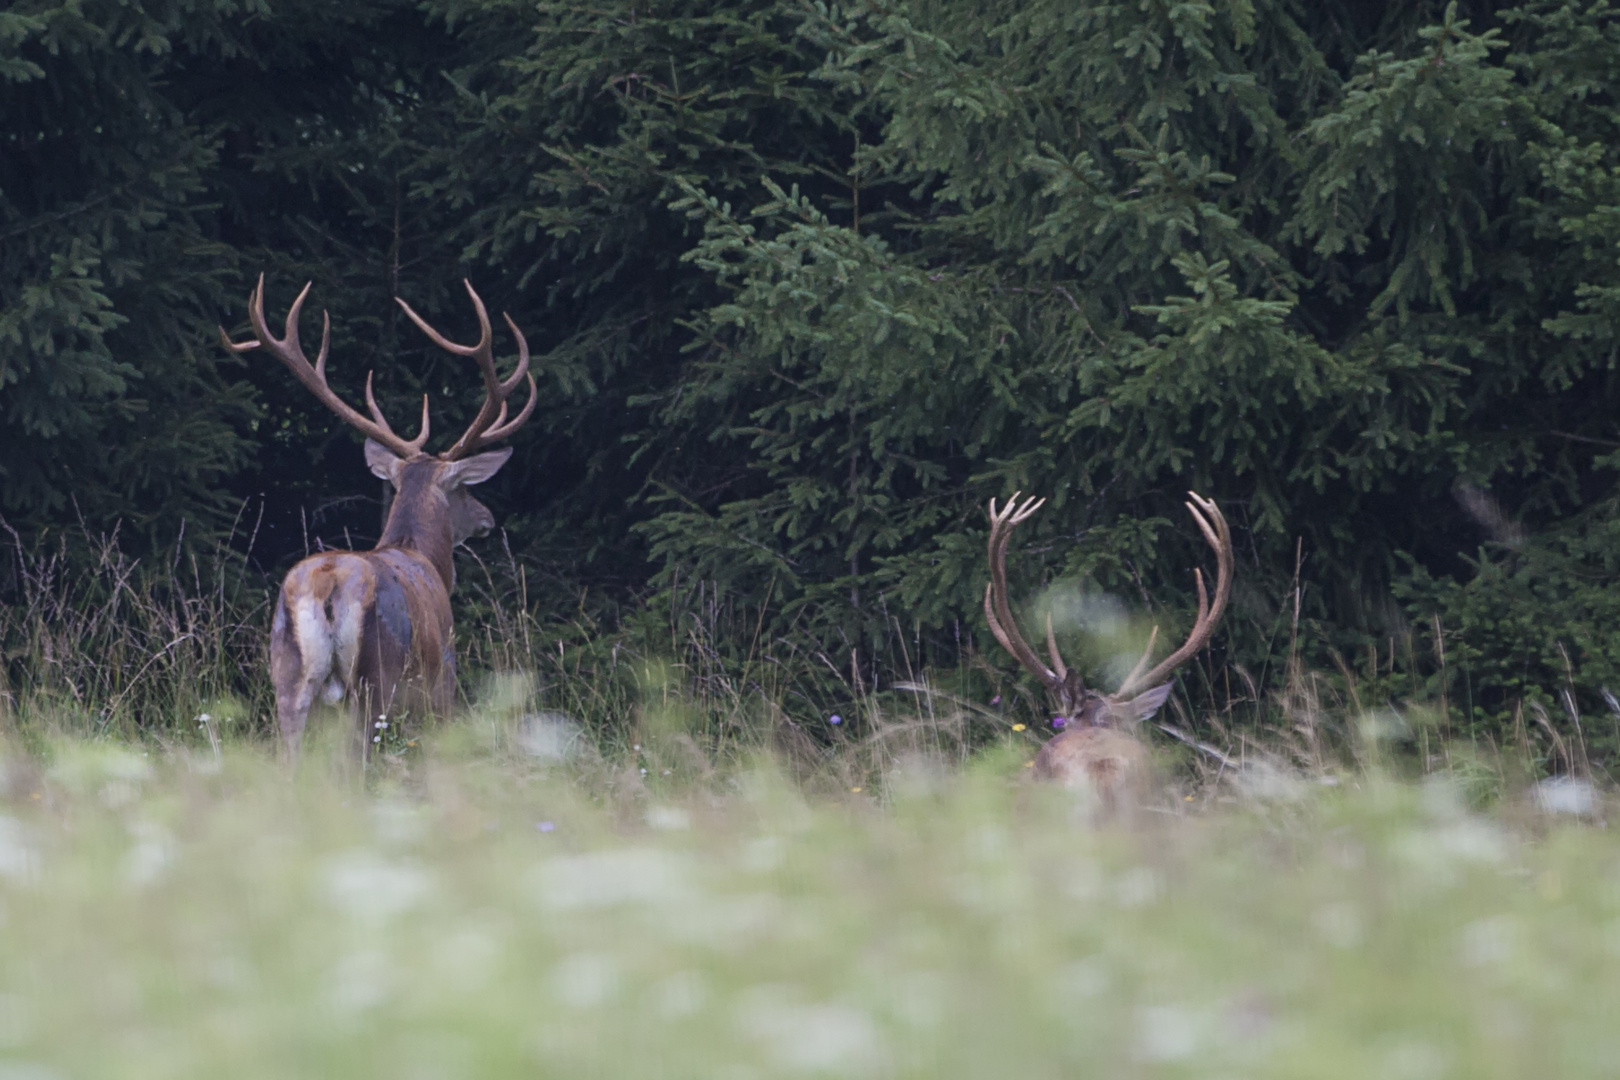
(1077, 705)
(428, 486)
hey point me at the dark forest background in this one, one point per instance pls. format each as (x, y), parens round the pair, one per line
(808, 283)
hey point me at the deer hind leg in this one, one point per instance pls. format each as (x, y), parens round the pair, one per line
(366, 712)
(299, 664)
(383, 663)
(441, 695)
(375, 703)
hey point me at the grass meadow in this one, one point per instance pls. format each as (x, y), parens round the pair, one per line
(624, 864)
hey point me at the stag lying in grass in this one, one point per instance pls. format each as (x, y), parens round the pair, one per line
(374, 627)
(1097, 748)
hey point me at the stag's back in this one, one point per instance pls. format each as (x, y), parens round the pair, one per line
(1112, 765)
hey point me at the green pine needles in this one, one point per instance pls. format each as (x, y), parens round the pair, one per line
(813, 281)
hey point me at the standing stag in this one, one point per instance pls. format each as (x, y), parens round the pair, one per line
(374, 626)
(1097, 748)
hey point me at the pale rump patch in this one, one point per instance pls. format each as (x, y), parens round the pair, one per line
(315, 640)
(326, 606)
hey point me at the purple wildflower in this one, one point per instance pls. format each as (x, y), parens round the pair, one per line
(1060, 722)
(835, 719)
(545, 826)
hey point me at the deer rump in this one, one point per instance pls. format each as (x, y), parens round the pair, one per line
(370, 627)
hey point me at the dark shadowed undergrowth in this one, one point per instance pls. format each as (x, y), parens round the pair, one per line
(96, 645)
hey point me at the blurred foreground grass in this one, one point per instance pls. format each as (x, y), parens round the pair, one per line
(481, 913)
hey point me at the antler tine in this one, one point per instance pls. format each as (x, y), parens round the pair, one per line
(1147, 653)
(522, 368)
(490, 424)
(996, 609)
(255, 320)
(1058, 665)
(415, 445)
(289, 330)
(288, 350)
(1212, 523)
(501, 428)
(486, 335)
(256, 309)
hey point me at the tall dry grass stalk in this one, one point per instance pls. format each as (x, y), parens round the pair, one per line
(96, 643)
(100, 643)
(701, 686)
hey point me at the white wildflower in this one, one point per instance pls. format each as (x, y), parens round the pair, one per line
(608, 878)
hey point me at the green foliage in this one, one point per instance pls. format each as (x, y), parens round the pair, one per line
(1168, 248)
(1538, 620)
(844, 390)
(809, 282)
(194, 913)
(577, 129)
(111, 396)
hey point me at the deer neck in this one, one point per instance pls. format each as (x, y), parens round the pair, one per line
(419, 521)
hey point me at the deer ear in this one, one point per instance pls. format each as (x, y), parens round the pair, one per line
(474, 470)
(384, 465)
(1144, 705)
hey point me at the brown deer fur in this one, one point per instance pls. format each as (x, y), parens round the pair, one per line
(373, 628)
(1092, 752)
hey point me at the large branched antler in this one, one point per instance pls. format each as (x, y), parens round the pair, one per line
(491, 424)
(1063, 682)
(1212, 523)
(996, 608)
(291, 353)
